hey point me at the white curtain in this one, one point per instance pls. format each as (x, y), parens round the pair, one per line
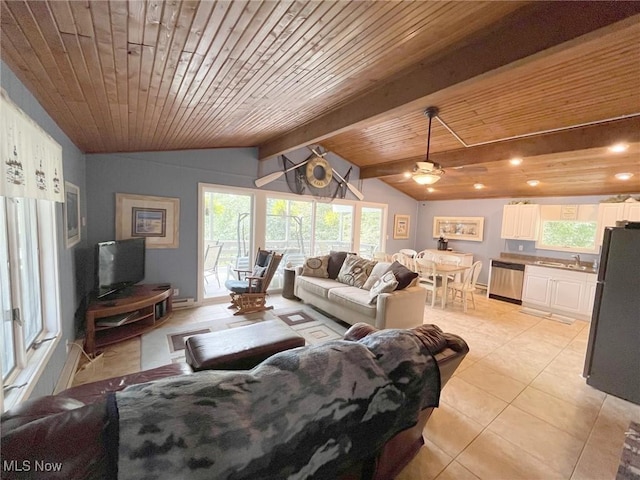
(30, 160)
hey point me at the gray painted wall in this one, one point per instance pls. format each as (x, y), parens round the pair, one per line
(177, 174)
(74, 171)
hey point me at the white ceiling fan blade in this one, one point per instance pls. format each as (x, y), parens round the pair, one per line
(353, 189)
(262, 181)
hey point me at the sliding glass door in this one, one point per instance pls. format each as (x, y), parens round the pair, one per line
(227, 238)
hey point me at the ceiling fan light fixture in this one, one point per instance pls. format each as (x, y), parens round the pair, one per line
(426, 178)
(624, 176)
(533, 183)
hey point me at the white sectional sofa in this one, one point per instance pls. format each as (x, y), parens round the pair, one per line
(398, 309)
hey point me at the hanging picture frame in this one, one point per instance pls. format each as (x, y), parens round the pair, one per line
(72, 229)
(154, 218)
(401, 226)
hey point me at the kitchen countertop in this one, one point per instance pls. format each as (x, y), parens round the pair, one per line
(534, 260)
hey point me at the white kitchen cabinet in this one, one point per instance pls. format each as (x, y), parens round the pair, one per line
(610, 213)
(536, 289)
(559, 291)
(520, 222)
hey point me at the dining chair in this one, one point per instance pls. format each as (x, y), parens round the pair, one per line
(428, 278)
(426, 254)
(467, 286)
(450, 260)
(408, 251)
(405, 260)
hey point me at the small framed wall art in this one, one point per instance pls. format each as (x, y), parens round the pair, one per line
(154, 218)
(72, 230)
(400, 226)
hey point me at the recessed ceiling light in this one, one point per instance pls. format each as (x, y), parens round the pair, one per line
(515, 161)
(619, 148)
(478, 186)
(624, 176)
(533, 183)
(431, 190)
(407, 174)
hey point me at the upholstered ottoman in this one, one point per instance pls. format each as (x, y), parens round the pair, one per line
(240, 348)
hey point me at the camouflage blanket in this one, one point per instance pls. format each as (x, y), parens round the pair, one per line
(305, 413)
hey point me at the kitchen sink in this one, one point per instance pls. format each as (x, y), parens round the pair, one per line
(571, 266)
(577, 267)
(550, 264)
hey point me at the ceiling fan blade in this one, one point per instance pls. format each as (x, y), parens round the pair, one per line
(357, 193)
(262, 181)
(468, 169)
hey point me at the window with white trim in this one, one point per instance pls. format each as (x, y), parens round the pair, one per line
(29, 298)
(568, 228)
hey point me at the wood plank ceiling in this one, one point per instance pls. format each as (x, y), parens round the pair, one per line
(354, 77)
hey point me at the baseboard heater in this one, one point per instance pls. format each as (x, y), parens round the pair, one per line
(184, 302)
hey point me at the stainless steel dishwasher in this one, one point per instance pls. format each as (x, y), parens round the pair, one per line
(506, 281)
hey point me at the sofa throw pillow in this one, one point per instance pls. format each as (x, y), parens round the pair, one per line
(355, 271)
(386, 284)
(378, 271)
(403, 275)
(336, 259)
(316, 267)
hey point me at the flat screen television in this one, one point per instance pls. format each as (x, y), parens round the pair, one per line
(119, 264)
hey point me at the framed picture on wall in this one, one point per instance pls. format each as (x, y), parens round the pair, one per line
(459, 228)
(153, 218)
(400, 226)
(72, 230)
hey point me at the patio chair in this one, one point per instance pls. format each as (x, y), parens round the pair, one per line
(211, 257)
(250, 295)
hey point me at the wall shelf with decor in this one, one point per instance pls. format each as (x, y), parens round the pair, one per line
(459, 228)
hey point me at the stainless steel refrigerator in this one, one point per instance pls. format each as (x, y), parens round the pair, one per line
(612, 362)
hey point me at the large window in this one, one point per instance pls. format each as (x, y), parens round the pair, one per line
(297, 226)
(29, 300)
(371, 231)
(570, 228)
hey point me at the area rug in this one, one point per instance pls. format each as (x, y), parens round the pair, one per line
(629, 468)
(166, 345)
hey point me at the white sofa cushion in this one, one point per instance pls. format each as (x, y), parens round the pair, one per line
(317, 286)
(353, 298)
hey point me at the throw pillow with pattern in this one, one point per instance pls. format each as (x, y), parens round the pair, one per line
(355, 271)
(386, 284)
(316, 267)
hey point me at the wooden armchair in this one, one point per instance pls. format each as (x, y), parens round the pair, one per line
(250, 295)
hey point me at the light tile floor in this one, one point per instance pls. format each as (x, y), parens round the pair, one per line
(517, 407)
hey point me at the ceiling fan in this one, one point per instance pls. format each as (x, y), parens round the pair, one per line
(427, 172)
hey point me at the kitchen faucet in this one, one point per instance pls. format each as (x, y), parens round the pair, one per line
(576, 257)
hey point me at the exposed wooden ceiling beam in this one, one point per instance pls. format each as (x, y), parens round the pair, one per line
(529, 31)
(594, 136)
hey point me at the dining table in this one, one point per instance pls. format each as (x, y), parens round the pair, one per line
(444, 270)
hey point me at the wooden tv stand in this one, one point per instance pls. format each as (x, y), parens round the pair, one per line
(114, 320)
